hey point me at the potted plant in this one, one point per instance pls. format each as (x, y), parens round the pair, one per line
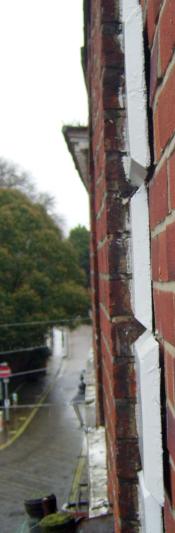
(61, 522)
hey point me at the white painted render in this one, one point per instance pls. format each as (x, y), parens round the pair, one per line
(127, 7)
(140, 249)
(150, 510)
(139, 155)
(96, 448)
(146, 350)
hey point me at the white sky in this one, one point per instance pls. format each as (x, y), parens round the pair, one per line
(42, 88)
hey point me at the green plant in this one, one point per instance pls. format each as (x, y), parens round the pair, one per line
(56, 522)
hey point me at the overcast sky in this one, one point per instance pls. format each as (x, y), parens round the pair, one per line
(41, 89)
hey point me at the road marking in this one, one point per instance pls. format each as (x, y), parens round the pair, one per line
(73, 496)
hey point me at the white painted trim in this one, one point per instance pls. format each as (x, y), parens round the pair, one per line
(146, 351)
(127, 7)
(136, 92)
(140, 246)
(150, 510)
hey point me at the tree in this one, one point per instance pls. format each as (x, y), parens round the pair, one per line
(79, 237)
(14, 177)
(40, 278)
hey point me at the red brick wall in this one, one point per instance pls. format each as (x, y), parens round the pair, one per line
(114, 326)
(160, 29)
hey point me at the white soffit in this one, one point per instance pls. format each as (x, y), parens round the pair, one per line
(150, 510)
(148, 382)
(141, 285)
(136, 91)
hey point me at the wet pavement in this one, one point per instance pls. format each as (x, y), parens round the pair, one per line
(43, 455)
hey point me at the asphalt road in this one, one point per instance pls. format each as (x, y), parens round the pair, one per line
(43, 460)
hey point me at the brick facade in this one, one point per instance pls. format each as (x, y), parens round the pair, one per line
(114, 325)
(160, 29)
(115, 328)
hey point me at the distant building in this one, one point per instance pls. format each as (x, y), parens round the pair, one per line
(129, 66)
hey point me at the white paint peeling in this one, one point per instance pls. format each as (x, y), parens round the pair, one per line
(146, 351)
(98, 497)
(136, 91)
(141, 284)
(149, 509)
(125, 162)
(121, 98)
(96, 446)
(121, 41)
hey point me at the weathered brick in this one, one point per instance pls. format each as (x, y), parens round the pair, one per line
(170, 377)
(103, 258)
(112, 53)
(120, 303)
(114, 132)
(171, 433)
(125, 419)
(115, 175)
(158, 196)
(130, 526)
(153, 8)
(155, 258)
(124, 333)
(164, 305)
(101, 225)
(116, 213)
(100, 195)
(169, 519)
(118, 256)
(106, 326)
(160, 271)
(154, 73)
(128, 459)
(170, 232)
(172, 481)
(142, 2)
(111, 294)
(104, 292)
(128, 500)
(164, 117)
(167, 34)
(113, 88)
(112, 256)
(172, 180)
(124, 383)
(163, 266)
(109, 10)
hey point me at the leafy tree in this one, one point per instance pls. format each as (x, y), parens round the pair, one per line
(40, 278)
(14, 177)
(79, 237)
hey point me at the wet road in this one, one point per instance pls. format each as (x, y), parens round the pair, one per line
(43, 460)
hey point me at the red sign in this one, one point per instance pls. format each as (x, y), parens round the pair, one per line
(5, 371)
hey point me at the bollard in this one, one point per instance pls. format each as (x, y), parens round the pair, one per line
(1, 421)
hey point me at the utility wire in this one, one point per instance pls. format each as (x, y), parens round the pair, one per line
(6, 352)
(16, 374)
(60, 322)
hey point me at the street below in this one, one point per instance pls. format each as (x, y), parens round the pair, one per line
(44, 458)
